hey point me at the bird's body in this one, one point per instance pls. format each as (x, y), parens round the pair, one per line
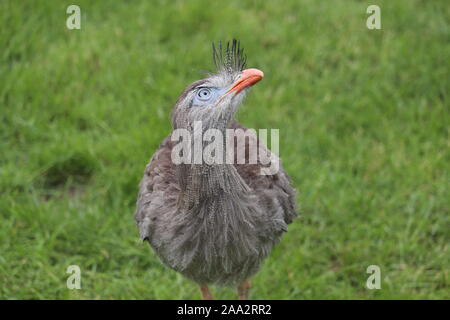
(213, 223)
(227, 235)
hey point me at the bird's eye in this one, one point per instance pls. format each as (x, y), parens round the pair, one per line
(204, 94)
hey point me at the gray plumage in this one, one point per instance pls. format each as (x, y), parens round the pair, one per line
(214, 224)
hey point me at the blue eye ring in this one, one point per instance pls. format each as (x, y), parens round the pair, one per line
(204, 94)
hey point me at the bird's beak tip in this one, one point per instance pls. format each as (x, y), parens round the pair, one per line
(248, 78)
(253, 72)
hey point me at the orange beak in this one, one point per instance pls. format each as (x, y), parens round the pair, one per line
(248, 78)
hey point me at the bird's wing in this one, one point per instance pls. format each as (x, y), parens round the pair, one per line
(159, 189)
(274, 191)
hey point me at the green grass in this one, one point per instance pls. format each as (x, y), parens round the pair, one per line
(364, 134)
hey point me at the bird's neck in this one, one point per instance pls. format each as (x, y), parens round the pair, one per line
(202, 184)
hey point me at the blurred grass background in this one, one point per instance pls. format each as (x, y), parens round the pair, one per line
(364, 133)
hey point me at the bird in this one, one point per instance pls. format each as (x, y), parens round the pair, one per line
(214, 223)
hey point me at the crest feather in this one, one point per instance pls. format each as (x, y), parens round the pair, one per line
(230, 60)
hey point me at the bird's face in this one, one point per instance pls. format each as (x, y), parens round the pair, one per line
(215, 99)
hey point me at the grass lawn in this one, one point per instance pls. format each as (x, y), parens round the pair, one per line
(364, 133)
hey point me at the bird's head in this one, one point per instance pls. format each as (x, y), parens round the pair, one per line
(214, 100)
